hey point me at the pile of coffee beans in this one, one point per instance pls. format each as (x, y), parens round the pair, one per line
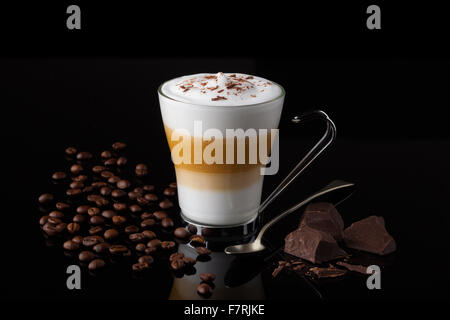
(105, 210)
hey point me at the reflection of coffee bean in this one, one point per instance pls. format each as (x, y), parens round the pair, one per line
(45, 198)
(167, 223)
(59, 175)
(71, 245)
(189, 261)
(166, 204)
(71, 151)
(204, 289)
(96, 264)
(86, 256)
(176, 255)
(181, 233)
(197, 240)
(208, 277)
(76, 169)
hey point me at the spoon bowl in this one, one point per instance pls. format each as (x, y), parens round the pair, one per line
(251, 247)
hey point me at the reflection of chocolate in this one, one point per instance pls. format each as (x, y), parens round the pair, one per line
(312, 245)
(323, 216)
(370, 235)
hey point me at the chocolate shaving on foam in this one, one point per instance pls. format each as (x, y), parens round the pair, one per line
(218, 98)
(212, 88)
(220, 91)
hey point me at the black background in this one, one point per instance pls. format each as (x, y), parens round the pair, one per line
(387, 91)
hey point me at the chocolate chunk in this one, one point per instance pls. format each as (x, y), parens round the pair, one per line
(330, 272)
(312, 245)
(323, 216)
(370, 235)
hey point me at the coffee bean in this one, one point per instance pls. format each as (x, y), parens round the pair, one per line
(98, 184)
(122, 161)
(108, 214)
(166, 204)
(84, 155)
(56, 214)
(151, 250)
(61, 227)
(160, 215)
(181, 233)
(73, 192)
(101, 247)
(53, 220)
(97, 220)
(76, 185)
(170, 192)
(148, 223)
(110, 162)
(106, 174)
(113, 179)
(96, 264)
(49, 229)
(88, 189)
(119, 146)
(177, 264)
(203, 251)
(105, 191)
(71, 245)
(141, 170)
(93, 211)
(146, 215)
(208, 277)
(197, 240)
(142, 201)
(148, 187)
(204, 289)
(106, 154)
(176, 255)
(59, 175)
(139, 190)
(117, 193)
(43, 220)
(192, 229)
(173, 185)
(189, 261)
(133, 195)
(83, 209)
(76, 168)
(140, 266)
(141, 166)
(101, 202)
(90, 241)
(95, 230)
(80, 178)
(86, 256)
(79, 218)
(148, 234)
(140, 247)
(167, 245)
(78, 239)
(111, 234)
(118, 220)
(93, 197)
(147, 259)
(97, 169)
(123, 184)
(62, 206)
(45, 198)
(155, 243)
(167, 223)
(136, 237)
(131, 229)
(73, 227)
(117, 249)
(120, 206)
(151, 197)
(71, 151)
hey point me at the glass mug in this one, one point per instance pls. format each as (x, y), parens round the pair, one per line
(227, 195)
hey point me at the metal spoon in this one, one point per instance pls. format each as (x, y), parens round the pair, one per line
(257, 246)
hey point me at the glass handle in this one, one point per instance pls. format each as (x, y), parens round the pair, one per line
(327, 139)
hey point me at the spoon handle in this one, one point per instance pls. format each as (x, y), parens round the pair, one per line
(332, 186)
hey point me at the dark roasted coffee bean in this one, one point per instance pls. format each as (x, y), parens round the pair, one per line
(90, 241)
(101, 247)
(141, 170)
(93, 211)
(43, 220)
(106, 174)
(202, 251)
(135, 208)
(173, 185)
(108, 214)
(118, 206)
(170, 192)
(177, 264)
(122, 161)
(192, 229)
(71, 245)
(208, 277)
(117, 249)
(139, 190)
(204, 289)
(83, 209)
(151, 250)
(86, 256)
(76, 168)
(123, 184)
(147, 259)
(71, 151)
(96, 264)
(141, 166)
(84, 155)
(73, 192)
(155, 243)
(56, 214)
(98, 184)
(62, 206)
(97, 169)
(133, 195)
(73, 227)
(181, 233)
(160, 215)
(189, 261)
(197, 240)
(131, 229)
(167, 245)
(110, 162)
(45, 198)
(93, 197)
(140, 247)
(78, 239)
(79, 218)
(166, 204)
(176, 255)
(49, 229)
(146, 215)
(119, 146)
(105, 191)
(97, 220)
(95, 230)
(61, 227)
(148, 234)
(101, 202)
(80, 178)
(59, 175)
(140, 266)
(106, 154)
(117, 193)
(77, 185)
(167, 223)
(113, 179)
(148, 187)
(136, 237)
(142, 201)
(111, 234)
(53, 220)
(151, 197)
(119, 220)
(148, 223)
(88, 189)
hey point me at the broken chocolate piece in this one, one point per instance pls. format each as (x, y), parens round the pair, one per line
(312, 245)
(323, 216)
(353, 267)
(330, 272)
(370, 235)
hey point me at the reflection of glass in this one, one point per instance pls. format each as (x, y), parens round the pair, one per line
(186, 287)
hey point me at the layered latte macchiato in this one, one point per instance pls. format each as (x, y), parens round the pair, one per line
(220, 132)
